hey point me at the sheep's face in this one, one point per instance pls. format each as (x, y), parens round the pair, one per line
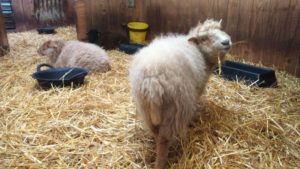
(52, 49)
(217, 40)
(211, 39)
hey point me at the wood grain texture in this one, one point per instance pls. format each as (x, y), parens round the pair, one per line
(268, 28)
(4, 46)
(69, 11)
(25, 13)
(18, 12)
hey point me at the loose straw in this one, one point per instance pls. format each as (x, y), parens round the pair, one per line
(95, 126)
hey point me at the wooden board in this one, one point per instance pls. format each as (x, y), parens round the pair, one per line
(3, 36)
(25, 14)
(268, 28)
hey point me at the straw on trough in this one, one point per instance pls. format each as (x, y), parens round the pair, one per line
(95, 126)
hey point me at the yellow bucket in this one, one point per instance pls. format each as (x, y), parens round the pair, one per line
(137, 31)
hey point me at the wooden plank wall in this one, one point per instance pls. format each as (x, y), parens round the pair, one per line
(4, 46)
(24, 14)
(269, 28)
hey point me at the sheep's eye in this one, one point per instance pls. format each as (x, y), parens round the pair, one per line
(204, 38)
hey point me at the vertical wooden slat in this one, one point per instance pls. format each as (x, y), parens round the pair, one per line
(48, 9)
(81, 26)
(4, 46)
(29, 20)
(89, 13)
(100, 17)
(53, 7)
(289, 35)
(294, 37)
(232, 25)
(110, 12)
(68, 8)
(270, 28)
(26, 18)
(244, 32)
(153, 11)
(51, 10)
(19, 17)
(35, 7)
(61, 11)
(41, 7)
(220, 10)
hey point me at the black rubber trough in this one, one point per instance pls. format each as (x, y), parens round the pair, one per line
(59, 77)
(130, 48)
(46, 30)
(251, 75)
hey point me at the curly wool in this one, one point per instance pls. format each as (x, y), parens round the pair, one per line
(75, 53)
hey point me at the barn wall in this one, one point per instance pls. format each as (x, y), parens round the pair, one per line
(25, 15)
(270, 29)
(4, 46)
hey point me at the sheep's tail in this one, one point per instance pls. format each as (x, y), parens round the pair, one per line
(151, 93)
(160, 105)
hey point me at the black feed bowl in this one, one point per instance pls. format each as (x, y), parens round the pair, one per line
(59, 77)
(46, 30)
(251, 75)
(130, 48)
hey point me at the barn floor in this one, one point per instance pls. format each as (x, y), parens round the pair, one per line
(95, 125)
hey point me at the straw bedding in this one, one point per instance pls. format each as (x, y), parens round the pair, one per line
(95, 126)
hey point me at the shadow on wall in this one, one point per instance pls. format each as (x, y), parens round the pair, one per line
(108, 33)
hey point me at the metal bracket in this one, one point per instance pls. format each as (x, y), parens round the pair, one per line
(131, 3)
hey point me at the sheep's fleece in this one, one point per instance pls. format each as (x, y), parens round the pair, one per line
(168, 72)
(75, 53)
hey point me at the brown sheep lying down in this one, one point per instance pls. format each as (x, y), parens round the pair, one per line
(169, 75)
(63, 53)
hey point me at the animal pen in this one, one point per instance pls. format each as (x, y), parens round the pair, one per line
(95, 125)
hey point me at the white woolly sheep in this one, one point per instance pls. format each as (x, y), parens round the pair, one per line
(169, 75)
(76, 54)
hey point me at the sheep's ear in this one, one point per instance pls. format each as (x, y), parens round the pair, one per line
(56, 43)
(51, 43)
(194, 40)
(202, 37)
(47, 43)
(220, 22)
(199, 23)
(44, 46)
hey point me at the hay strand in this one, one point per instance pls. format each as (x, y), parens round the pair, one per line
(94, 126)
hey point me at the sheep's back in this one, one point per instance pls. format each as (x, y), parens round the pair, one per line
(80, 54)
(166, 76)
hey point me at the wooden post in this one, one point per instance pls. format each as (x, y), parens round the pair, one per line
(81, 20)
(69, 9)
(4, 47)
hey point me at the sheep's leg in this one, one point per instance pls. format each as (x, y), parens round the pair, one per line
(163, 138)
(197, 114)
(162, 151)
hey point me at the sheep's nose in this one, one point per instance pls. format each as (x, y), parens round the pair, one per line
(226, 42)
